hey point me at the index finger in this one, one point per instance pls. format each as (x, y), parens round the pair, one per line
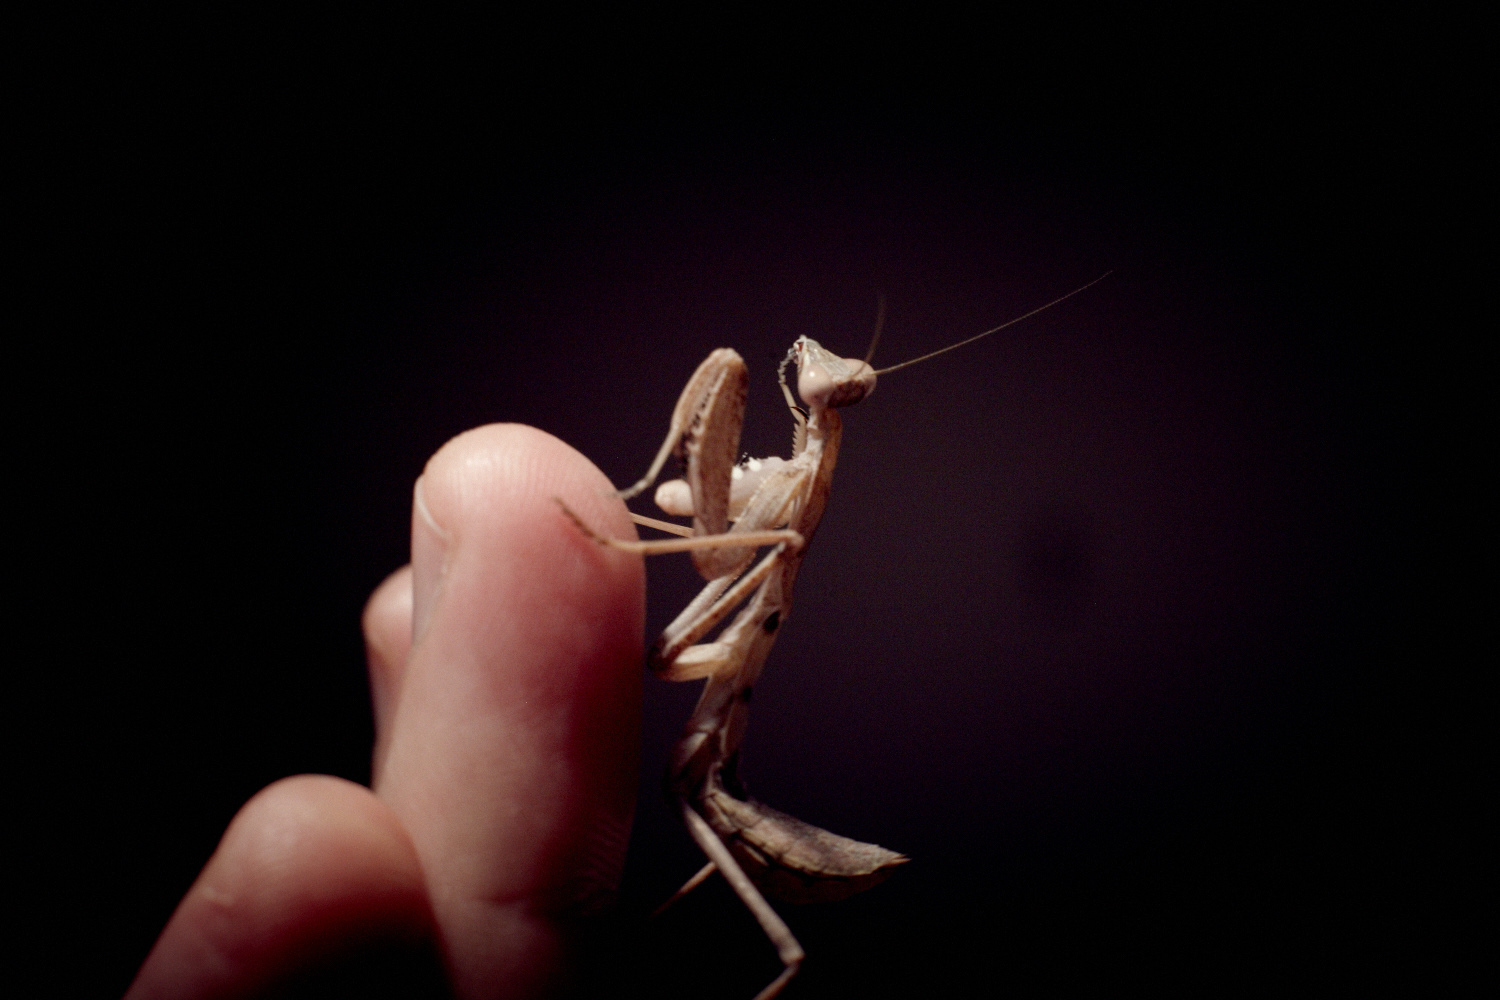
(513, 745)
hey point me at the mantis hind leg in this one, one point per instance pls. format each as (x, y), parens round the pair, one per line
(787, 948)
(687, 887)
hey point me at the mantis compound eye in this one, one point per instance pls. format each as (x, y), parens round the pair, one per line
(824, 379)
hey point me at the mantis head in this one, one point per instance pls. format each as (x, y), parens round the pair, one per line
(824, 379)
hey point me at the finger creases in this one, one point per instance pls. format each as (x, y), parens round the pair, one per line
(513, 745)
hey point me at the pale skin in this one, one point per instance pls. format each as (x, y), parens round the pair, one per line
(505, 674)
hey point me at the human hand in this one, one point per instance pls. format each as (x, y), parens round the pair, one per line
(505, 675)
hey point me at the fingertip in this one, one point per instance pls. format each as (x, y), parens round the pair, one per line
(387, 619)
(495, 488)
(493, 495)
(387, 626)
(482, 470)
(310, 867)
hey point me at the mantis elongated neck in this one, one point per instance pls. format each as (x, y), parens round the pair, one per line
(825, 425)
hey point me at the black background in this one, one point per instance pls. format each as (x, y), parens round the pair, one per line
(1092, 630)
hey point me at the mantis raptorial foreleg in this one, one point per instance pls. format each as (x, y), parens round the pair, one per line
(777, 503)
(773, 502)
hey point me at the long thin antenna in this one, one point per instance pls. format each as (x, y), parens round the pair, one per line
(1002, 326)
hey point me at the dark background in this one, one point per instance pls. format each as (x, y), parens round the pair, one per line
(1093, 627)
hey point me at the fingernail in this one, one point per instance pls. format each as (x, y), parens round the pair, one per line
(429, 563)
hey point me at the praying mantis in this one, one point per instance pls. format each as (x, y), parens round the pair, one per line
(737, 508)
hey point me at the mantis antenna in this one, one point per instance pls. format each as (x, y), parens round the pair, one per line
(977, 336)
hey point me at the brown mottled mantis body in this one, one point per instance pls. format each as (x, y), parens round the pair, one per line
(770, 502)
